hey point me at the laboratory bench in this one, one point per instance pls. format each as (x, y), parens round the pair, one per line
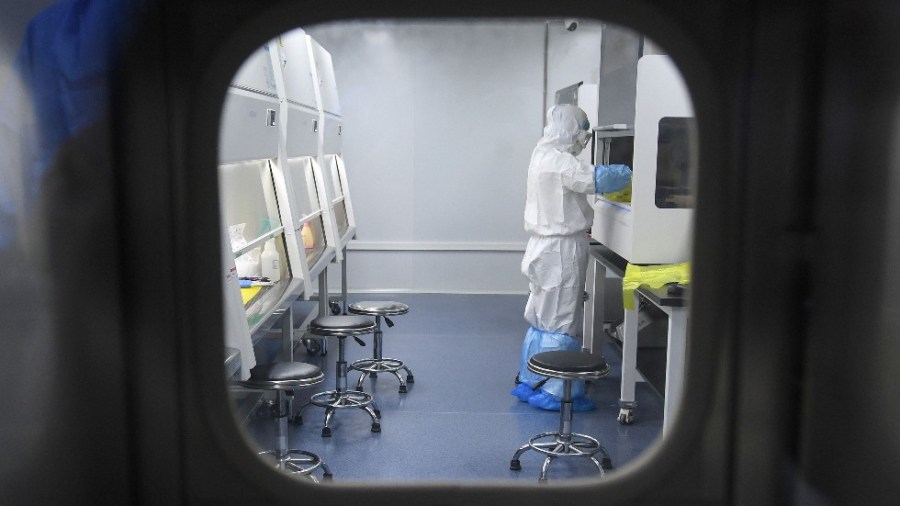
(664, 371)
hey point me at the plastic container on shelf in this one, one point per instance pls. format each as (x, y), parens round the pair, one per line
(270, 261)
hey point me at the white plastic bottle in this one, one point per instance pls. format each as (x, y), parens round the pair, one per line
(271, 264)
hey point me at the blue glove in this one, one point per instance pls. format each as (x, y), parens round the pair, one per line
(611, 178)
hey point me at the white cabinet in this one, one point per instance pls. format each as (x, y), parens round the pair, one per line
(655, 226)
(303, 121)
(281, 181)
(257, 74)
(301, 185)
(250, 141)
(249, 126)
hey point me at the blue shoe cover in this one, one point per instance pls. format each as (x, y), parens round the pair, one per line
(543, 400)
(523, 391)
(583, 404)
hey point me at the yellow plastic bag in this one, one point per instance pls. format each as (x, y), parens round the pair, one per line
(623, 195)
(654, 276)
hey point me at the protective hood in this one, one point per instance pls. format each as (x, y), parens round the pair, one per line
(567, 128)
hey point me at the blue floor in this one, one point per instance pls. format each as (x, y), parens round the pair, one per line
(458, 422)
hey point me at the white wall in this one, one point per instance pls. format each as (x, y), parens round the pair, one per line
(439, 123)
(573, 57)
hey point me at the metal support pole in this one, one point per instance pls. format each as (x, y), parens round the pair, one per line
(595, 310)
(376, 347)
(281, 441)
(344, 283)
(677, 344)
(323, 292)
(565, 412)
(340, 383)
(629, 352)
(287, 334)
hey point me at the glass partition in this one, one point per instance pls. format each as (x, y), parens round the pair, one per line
(255, 234)
(248, 202)
(340, 200)
(306, 208)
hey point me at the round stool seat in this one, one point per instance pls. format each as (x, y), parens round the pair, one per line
(344, 325)
(379, 308)
(285, 375)
(568, 365)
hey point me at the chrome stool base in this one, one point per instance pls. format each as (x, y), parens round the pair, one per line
(305, 465)
(378, 364)
(373, 366)
(563, 446)
(333, 400)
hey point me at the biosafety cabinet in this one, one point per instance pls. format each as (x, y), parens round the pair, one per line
(330, 154)
(654, 225)
(300, 182)
(253, 235)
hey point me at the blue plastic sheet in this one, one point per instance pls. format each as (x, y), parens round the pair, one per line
(611, 178)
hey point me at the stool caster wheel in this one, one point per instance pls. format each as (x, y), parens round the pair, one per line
(326, 431)
(410, 379)
(606, 464)
(515, 465)
(517, 379)
(327, 477)
(626, 417)
(376, 427)
(402, 389)
(335, 308)
(296, 419)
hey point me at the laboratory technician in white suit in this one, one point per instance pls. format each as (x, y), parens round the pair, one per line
(558, 216)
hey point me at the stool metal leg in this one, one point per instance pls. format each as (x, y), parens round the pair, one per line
(379, 364)
(340, 383)
(409, 375)
(565, 412)
(377, 347)
(545, 468)
(340, 397)
(289, 459)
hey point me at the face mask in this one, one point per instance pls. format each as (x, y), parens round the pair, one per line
(584, 138)
(581, 142)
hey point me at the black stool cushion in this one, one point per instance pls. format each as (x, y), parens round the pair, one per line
(284, 371)
(378, 308)
(569, 362)
(344, 325)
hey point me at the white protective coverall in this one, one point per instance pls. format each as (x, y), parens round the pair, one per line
(558, 215)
